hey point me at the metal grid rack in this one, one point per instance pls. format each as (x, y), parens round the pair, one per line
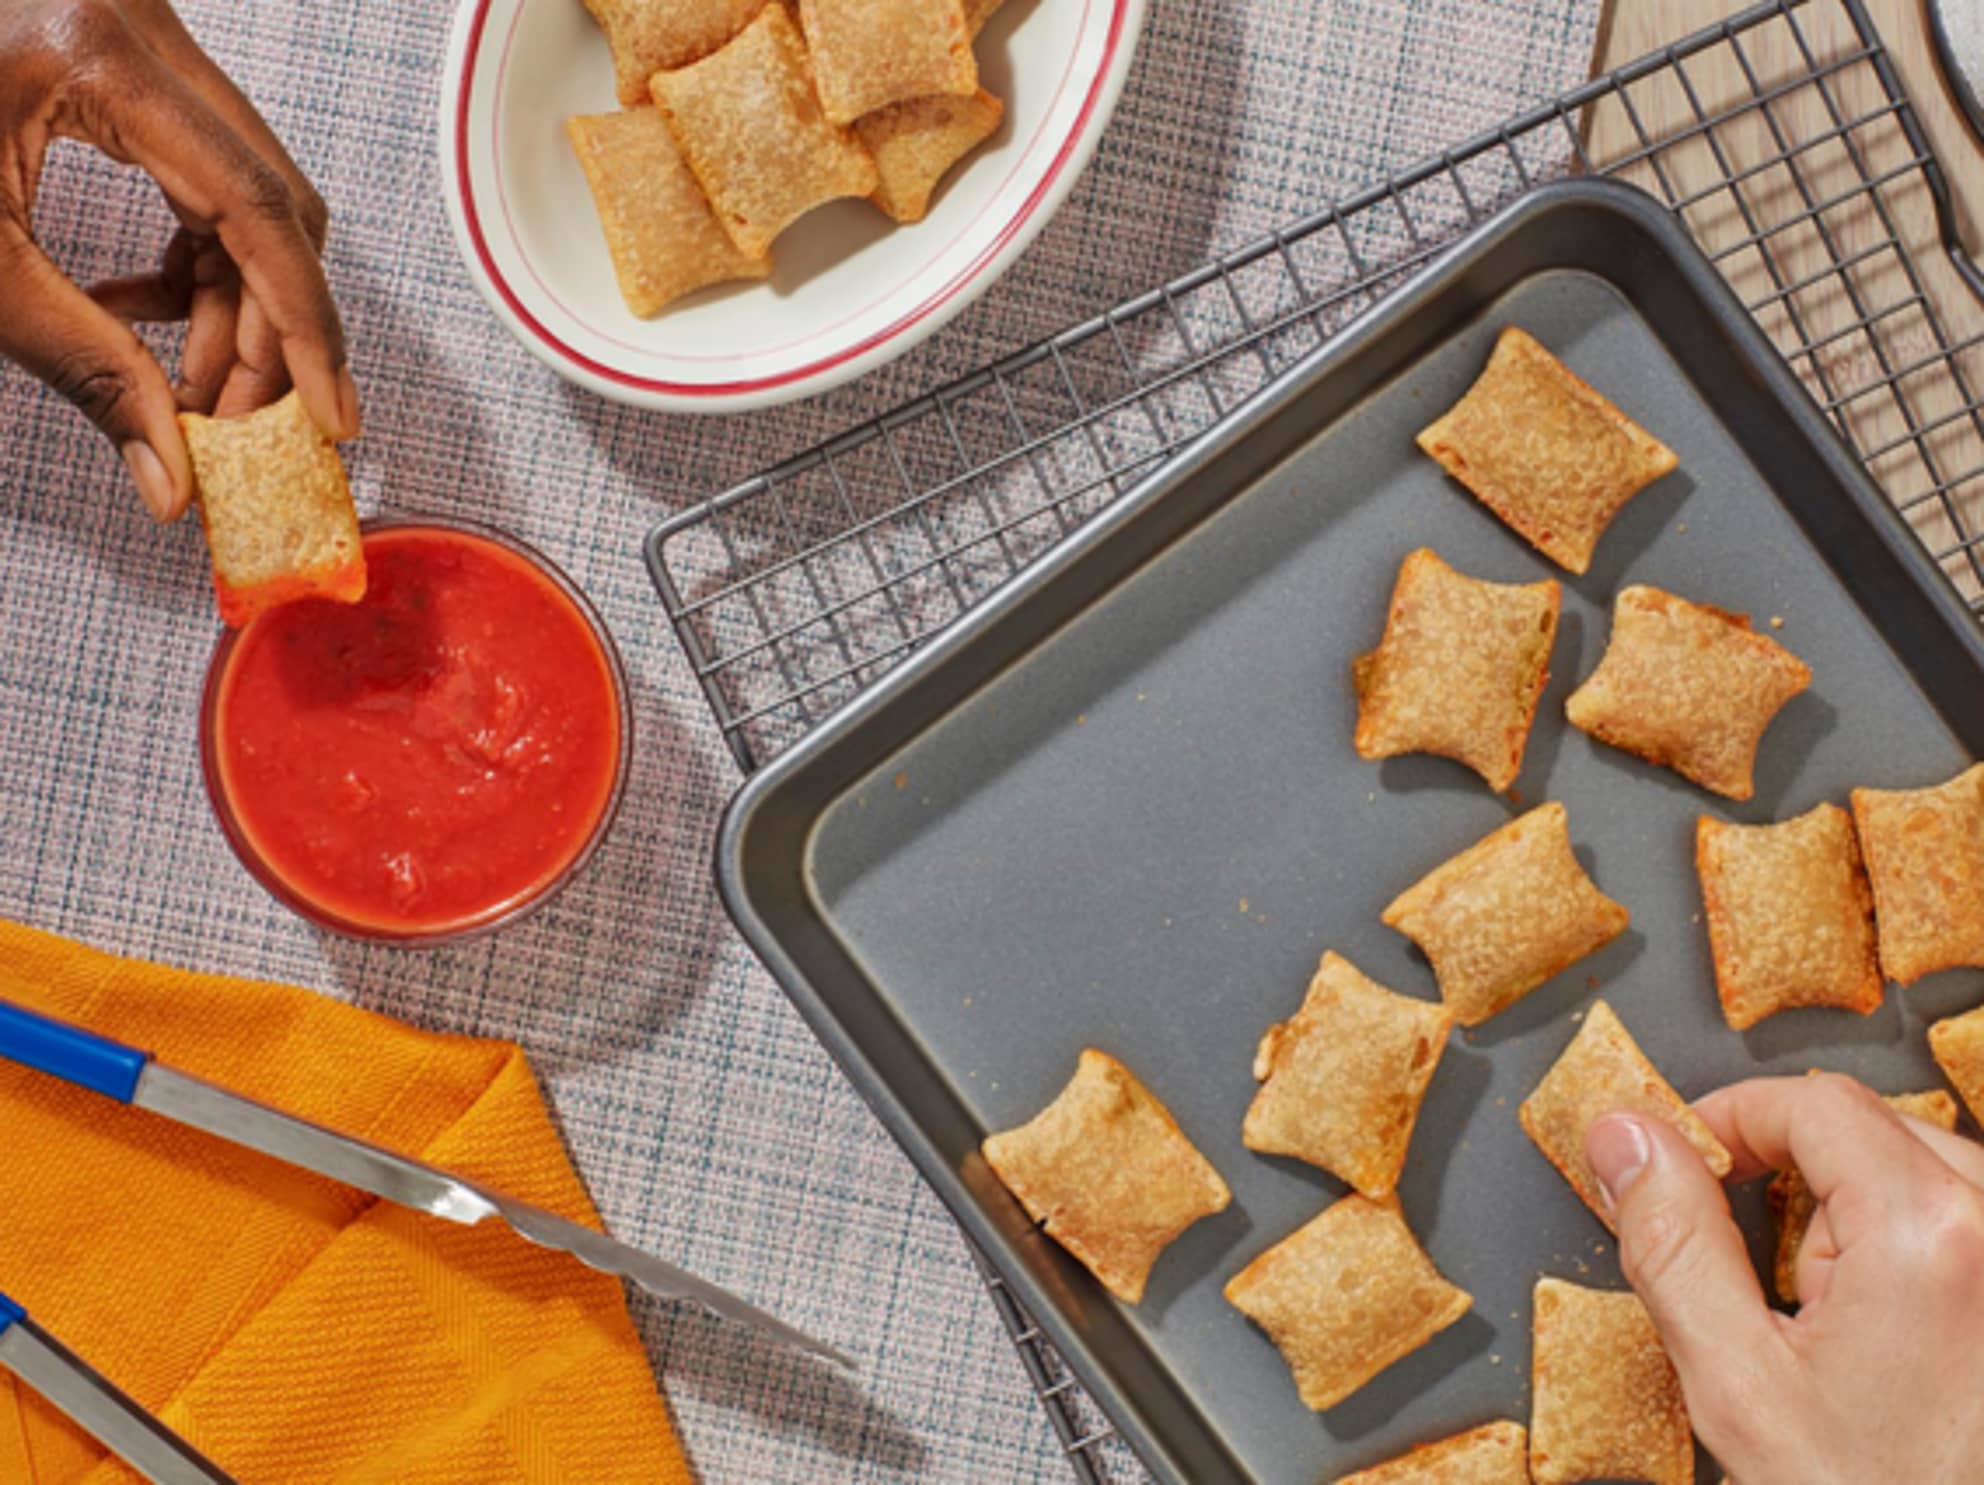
(793, 591)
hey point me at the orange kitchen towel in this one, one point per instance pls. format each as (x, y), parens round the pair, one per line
(296, 1330)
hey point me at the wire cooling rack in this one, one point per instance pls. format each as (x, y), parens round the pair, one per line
(1809, 182)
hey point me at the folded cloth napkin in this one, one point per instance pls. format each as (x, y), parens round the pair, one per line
(295, 1330)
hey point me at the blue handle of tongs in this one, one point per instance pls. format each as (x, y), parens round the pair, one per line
(64, 1051)
(9, 1313)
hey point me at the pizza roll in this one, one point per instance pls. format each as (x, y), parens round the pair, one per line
(1792, 1203)
(1688, 686)
(1545, 452)
(868, 54)
(1925, 857)
(1506, 914)
(1605, 1401)
(1493, 1454)
(916, 142)
(1459, 671)
(751, 130)
(648, 36)
(1344, 1296)
(1790, 916)
(272, 496)
(1958, 1044)
(1108, 1172)
(1342, 1079)
(1603, 1070)
(663, 237)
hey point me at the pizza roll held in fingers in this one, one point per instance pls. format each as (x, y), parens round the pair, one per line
(1460, 669)
(660, 232)
(1506, 914)
(1605, 1402)
(917, 141)
(1790, 917)
(1342, 1079)
(1108, 1172)
(1346, 1295)
(1925, 857)
(647, 36)
(1958, 1044)
(272, 496)
(748, 124)
(1493, 1454)
(1688, 686)
(868, 54)
(1544, 451)
(1601, 1071)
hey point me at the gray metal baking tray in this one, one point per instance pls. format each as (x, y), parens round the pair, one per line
(1117, 806)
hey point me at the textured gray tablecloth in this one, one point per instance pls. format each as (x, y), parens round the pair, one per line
(708, 1123)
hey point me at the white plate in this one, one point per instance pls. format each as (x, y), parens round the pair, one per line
(849, 290)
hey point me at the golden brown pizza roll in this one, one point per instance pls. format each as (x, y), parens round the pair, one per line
(1925, 857)
(1460, 669)
(1493, 1454)
(917, 141)
(1545, 452)
(648, 36)
(1109, 1173)
(664, 239)
(1958, 1044)
(1605, 1401)
(1602, 1071)
(1792, 1203)
(868, 54)
(1506, 914)
(1790, 917)
(749, 126)
(1342, 1079)
(1346, 1295)
(1688, 686)
(272, 496)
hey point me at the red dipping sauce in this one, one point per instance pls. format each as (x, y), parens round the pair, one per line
(432, 761)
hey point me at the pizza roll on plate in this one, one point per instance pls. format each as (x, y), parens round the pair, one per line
(916, 142)
(646, 36)
(272, 496)
(748, 124)
(1493, 1454)
(1925, 856)
(663, 238)
(1790, 916)
(1346, 1295)
(1958, 1045)
(1605, 1401)
(1109, 1173)
(868, 54)
(1602, 1070)
(1506, 914)
(1792, 1203)
(1689, 686)
(1545, 452)
(1342, 1079)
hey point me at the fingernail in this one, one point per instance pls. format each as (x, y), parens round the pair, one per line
(347, 403)
(148, 474)
(1618, 1149)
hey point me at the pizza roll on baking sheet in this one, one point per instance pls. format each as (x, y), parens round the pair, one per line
(1342, 1079)
(1605, 1402)
(1925, 857)
(1506, 914)
(648, 36)
(1689, 686)
(1792, 1204)
(1344, 1296)
(1603, 1070)
(1790, 916)
(1493, 1454)
(868, 54)
(1958, 1045)
(1109, 1173)
(1459, 670)
(917, 141)
(663, 238)
(272, 496)
(749, 126)
(1544, 451)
